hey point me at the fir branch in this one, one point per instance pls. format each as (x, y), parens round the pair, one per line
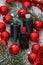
(32, 14)
(4, 56)
(19, 57)
(20, 60)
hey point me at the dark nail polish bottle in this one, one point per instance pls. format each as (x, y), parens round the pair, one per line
(28, 22)
(15, 28)
(23, 39)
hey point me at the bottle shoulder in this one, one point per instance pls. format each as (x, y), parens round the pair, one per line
(28, 19)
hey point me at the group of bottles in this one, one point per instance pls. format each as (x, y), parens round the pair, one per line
(22, 33)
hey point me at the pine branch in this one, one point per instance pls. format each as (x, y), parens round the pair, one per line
(32, 14)
(18, 58)
(4, 56)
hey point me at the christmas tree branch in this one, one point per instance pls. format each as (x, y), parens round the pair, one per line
(20, 60)
(17, 57)
(5, 57)
(12, 8)
(32, 14)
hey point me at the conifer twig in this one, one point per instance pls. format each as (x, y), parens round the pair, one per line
(6, 57)
(33, 15)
